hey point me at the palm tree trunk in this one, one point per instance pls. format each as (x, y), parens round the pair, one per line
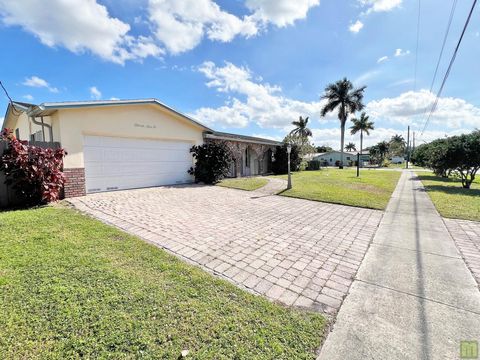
(361, 147)
(342, 141)
(361, 141)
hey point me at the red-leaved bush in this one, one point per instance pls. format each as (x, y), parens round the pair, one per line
(33, 172)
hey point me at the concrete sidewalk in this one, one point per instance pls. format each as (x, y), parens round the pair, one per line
(413, 297)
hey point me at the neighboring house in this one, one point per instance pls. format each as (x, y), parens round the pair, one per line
(125, 144)
(333, 158)
(397, 160)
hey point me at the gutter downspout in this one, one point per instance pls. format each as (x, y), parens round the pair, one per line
(32, 112)
(42, 124)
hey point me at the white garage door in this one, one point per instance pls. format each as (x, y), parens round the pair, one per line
(120, 163)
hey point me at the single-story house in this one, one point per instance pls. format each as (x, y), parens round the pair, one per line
(397, 160)
(333, 158)
(125, 144)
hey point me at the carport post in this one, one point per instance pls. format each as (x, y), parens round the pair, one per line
(289, 150)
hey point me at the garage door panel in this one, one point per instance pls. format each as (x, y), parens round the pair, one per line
(121, 163)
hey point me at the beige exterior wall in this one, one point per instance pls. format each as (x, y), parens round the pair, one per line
(133, 121)
(26, 127)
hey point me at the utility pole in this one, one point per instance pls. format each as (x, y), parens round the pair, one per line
(408, 147)
(413, 147)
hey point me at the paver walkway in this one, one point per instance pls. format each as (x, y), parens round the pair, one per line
(291, 250)
(273, 187)
(466, 235)
(413, 296)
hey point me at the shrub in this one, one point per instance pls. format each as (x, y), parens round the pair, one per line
(33, 172)
(279, 165)
(313, 165)
(212, 162)
(457, 155)
(385, 163)
(303, 165)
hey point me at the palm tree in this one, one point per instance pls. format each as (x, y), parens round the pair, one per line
(398, 139)
(301, 130)
(350, 147)
(397, 145)
(342, 96)
(363, 125)
(383, 148)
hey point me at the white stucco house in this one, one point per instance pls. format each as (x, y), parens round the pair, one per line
(333, 158)
(125, 144)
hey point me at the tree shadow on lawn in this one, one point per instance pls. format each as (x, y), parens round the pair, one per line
(454, 190)
(450, 180)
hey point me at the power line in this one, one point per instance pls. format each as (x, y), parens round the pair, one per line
(452, 60)
(14, 110)
(452, 12)
(6, 92)
(418, 40)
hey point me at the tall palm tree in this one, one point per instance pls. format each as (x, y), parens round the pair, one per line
(301, 129)
(350, 147)
(342, 96)
(362, 124)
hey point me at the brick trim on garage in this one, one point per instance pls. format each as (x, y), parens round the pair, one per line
(75, 184)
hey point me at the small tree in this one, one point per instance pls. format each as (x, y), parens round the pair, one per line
(212, 162)
(33, 172)
(457, 155)
(279, 165)
(462, 157)
(420, 155)
(323, 149)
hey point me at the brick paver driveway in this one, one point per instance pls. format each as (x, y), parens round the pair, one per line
(295, 251)
(466, 235)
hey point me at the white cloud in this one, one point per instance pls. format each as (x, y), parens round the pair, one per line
(181, 25)
(79, 26)
(35, 81)
(95, 93)
(366, 76)
(413, 107)
(269, 137)
(380, 5)
(400, 52)
(356, 27)
(251, 102)
(280, 12)
(175, 26)
(28, 97)
(382, 59)
(402, 82)
(114, 98)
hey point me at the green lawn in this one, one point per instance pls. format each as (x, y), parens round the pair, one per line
(250, 184)
(450, 199)
(72, 287)
(371, 190)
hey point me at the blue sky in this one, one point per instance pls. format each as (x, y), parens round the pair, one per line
(248, 67)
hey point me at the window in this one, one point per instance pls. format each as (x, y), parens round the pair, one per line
(38, 136)
(247, 157)
(17, 133)
(348, 157)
